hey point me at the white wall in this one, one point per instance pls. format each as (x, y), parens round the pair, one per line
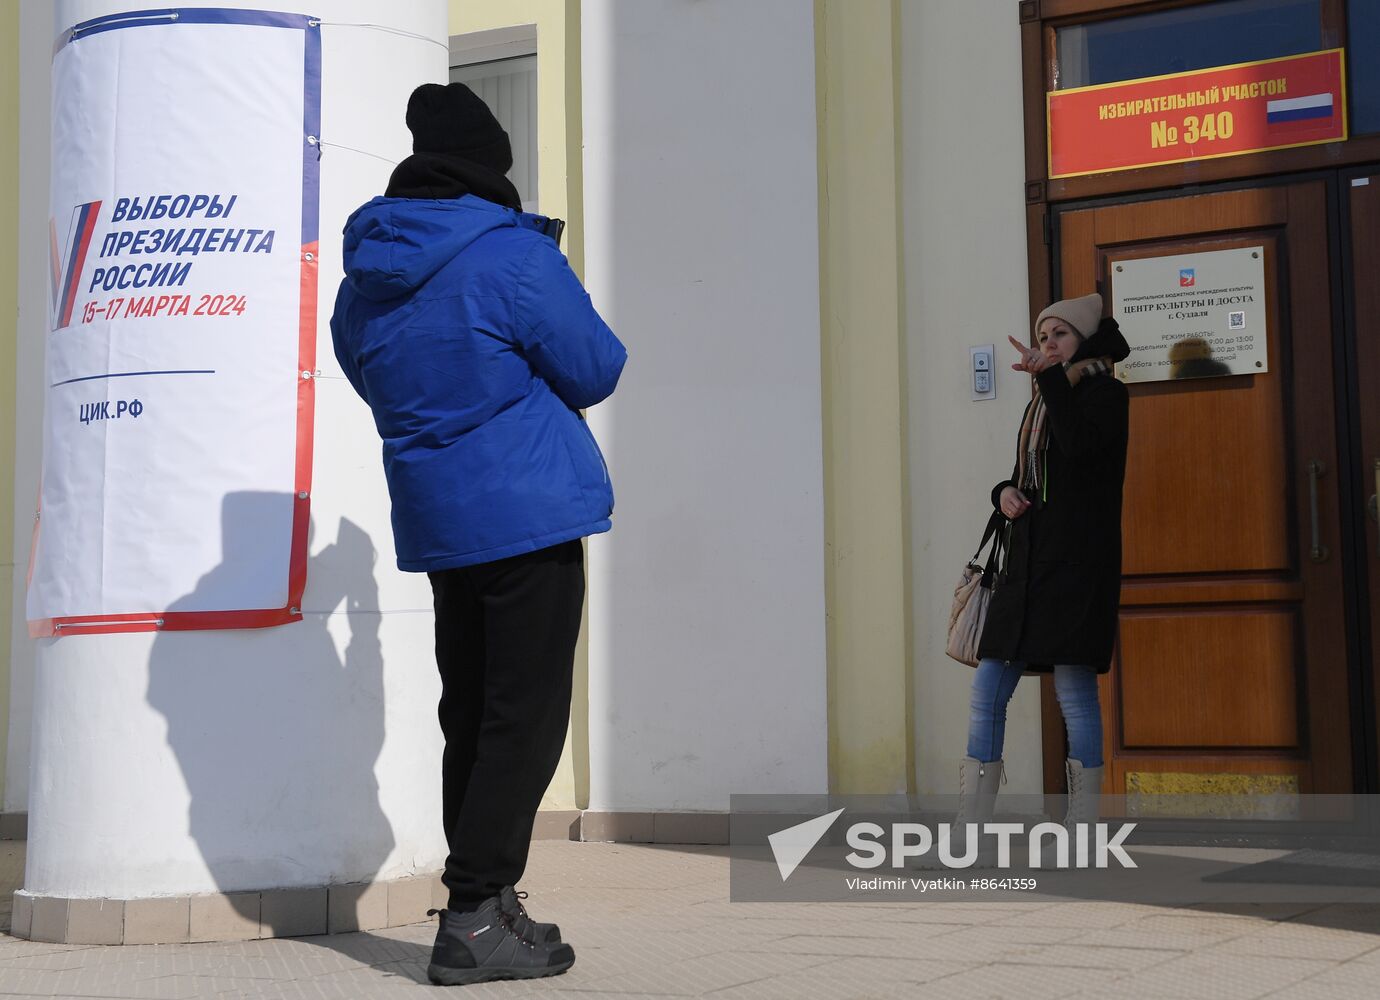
(295, 756)
(707, 657)
(963, 167)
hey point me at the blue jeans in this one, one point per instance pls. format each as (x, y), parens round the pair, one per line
(995, 682)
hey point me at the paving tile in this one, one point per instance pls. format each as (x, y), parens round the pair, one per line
(95, 921)
(157, 921)
(15, 948)
(556, 824)
(1176, 921)
(75, 957)
(21, 916)
(690, 828)
(227, 917)
(1327, 987)
(1264, 911)
(1218, 977)
(818, 984)
(698, 976)
(367, 949)
(1080, 914)
(1344, 916)
(1293, 940)
(998, 980)
(292, 912)
(1090, 957)
(359, 906)
(596, 827)
(987, 937)
(974, 945)
(93, 981)
(49, 921)
(859, 927)
(1134, 936)
(409, 899)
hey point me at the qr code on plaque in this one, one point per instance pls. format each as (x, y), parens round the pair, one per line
(1236, 321)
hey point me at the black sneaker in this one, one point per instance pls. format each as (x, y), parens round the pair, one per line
(483, 946)
(511, 901)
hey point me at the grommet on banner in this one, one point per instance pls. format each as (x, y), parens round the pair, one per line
(302, 495)
(306, 375)
(294, 611)
(59, 626)
(309, 256)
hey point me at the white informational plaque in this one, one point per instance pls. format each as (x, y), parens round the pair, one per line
(1192, 315)
(181, 344)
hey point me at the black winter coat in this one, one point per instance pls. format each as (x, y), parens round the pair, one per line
(1057, 600)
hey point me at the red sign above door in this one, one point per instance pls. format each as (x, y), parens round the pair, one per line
(1223, 111)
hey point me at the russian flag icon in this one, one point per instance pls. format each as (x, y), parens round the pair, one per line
(1295, 109)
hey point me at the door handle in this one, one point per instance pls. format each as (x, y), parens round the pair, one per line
(1316, 470)
(1371, 503)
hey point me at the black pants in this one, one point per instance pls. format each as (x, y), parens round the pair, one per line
(505, 646)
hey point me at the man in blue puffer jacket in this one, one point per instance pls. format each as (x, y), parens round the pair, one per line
(462, 326)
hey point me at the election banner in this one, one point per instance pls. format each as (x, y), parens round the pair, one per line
(180, 354)
(1200, 115)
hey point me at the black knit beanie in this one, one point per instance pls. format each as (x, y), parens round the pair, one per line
(453, 119)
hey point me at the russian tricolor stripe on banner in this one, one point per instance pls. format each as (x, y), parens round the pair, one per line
(65, 283)
(1295, 109)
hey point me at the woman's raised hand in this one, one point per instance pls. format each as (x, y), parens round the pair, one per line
(1031, 360)
(1013, 503)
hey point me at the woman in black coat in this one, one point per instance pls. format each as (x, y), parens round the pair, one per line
(1054, 609)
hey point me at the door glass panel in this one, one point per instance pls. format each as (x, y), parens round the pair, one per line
(1187, 38)
(1363, 41)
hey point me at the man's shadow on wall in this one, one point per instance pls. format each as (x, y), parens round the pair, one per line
(276, 733)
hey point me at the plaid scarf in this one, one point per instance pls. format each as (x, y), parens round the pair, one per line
(1034, 438)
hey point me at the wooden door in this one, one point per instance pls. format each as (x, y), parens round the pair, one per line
(1231, 671)
(1362, 275)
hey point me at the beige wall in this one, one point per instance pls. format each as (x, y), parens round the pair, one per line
(560, 192)
(866, 558)
(9, 313)
(560, 184)
(965, 280)
(922, 254)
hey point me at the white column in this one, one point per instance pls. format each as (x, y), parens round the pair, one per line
(966, 284)
(301, 755)
(707, 655)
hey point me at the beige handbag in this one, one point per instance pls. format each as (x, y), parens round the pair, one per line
(974, 593)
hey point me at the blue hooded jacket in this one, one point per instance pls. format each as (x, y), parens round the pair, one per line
(463, 327)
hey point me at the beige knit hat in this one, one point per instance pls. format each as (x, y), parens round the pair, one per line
(1083, 314)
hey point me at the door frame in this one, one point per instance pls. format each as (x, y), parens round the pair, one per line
(1360, 674)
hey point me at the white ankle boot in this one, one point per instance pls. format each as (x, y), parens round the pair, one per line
(1084, 789)
(978, 782)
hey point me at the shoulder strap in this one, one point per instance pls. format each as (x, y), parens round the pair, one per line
(994, 524)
